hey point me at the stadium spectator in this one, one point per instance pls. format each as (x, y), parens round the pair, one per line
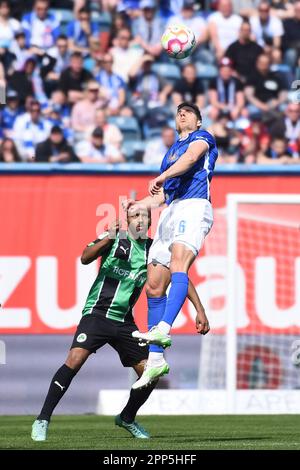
(61, 56)
(198, 25)
(244, 52)
(189, 87)
(114, 85)
(8, 26)
(19, 50)
(226, 92)
(10, 112)
(266, 27)
(291, 38)
(73, 78)
(223, 26)
(119, 21)
(29, 130)
(149, 90)
(8, 151)
(111, 133)
(84, 111)
(28, 82)
(288, 126)
(265, 91)
(125, 56)
(95, 151)
(55, 149)
(147, 28)
(157, 148)
(278, 152)
(41, 27)
(227, 143)
(80, 30)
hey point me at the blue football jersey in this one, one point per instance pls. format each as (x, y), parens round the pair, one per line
(195, 182)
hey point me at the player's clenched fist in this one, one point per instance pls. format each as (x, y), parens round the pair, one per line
(113, 228)
(156, 185)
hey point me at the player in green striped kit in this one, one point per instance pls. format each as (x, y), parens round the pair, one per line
(107, 317)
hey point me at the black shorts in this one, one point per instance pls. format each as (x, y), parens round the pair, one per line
(94, 331)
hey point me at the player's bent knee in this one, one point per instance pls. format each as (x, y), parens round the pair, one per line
(153, 290)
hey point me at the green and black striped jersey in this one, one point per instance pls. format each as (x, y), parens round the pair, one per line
(121, 278)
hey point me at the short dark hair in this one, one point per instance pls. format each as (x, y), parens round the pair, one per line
(188, 104)
(76, 54)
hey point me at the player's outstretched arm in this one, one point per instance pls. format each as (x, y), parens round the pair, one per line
(195, 151)
(100, 246)
(202, 324)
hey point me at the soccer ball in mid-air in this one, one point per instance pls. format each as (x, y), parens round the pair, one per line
(178, 41)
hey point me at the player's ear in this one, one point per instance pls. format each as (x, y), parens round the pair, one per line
(199, 123)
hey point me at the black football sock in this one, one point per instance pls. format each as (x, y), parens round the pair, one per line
(58, 387)
(136, 399)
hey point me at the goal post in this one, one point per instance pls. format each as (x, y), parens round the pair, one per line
(263, 234)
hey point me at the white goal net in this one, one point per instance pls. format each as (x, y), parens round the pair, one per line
(253, 351)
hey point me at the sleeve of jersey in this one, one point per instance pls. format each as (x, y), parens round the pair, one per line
(103, 235)
(205, 137)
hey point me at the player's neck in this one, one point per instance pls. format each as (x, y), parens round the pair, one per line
(184, 134)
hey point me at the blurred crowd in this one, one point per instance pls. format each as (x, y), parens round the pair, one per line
(87, 81)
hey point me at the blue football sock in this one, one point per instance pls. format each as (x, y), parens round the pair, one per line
(176, 297)
(156, 309)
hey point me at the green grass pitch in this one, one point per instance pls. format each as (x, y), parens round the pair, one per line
(168, 433)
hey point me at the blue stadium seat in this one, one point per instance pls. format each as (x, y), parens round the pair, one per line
(170, 72)
(103, 19)
(128, 126)
(64, 17)
(206, 71)
(134, 150)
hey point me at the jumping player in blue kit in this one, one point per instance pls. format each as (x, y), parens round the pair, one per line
(184, 186)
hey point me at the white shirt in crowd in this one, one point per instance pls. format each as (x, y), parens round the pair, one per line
(273, 28)
(228, 28)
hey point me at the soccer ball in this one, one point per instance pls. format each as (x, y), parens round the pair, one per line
(178, 41)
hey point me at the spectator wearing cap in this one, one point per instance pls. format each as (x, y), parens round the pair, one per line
(8, 151)
(265, 90)
(244, 52)
(223, 26)
(80, 30)
(157, 148)
(55, 149)
(125, 54)
(266, 27)
(149, 90)
(10, 112)
(226, 92)
(95, 151)
(189, 87)
(84, 111)
(195, 23)
(29, 130)
(113, 84)
(41, 26)
(8, 26)
(147, 28)
(73, 78)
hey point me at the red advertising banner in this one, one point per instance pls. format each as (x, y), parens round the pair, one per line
(46, 221)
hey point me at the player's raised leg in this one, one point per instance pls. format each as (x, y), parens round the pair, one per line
(58, 387)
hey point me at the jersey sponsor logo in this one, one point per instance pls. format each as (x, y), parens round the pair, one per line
(126, 273)
(81, 338)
